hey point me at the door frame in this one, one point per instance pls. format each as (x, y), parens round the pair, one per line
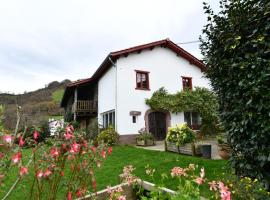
(168, 118)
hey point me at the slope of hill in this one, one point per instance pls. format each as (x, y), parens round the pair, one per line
(37, 106)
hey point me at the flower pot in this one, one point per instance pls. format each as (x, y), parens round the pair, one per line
(171, 146)
(188, 149)
(141, 142)
(224, 151)
(206, 151)
(150, 142)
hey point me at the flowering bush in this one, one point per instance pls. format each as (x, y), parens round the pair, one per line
(69, 164)
(108, 136)
(189, 184)
(180, 134)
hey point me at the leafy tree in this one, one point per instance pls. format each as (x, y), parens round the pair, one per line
(236, 48)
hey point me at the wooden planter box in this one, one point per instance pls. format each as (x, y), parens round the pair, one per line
(127, 191)
(188, 149)
(145, 142)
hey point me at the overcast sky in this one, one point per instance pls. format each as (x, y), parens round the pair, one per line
(46, 40)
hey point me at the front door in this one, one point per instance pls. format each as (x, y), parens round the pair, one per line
(157, 125)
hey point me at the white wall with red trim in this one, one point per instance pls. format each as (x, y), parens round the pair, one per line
(165, 70)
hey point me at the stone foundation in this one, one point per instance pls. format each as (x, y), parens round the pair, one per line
(127, 139)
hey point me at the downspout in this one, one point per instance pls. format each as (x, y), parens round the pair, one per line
(116, 110)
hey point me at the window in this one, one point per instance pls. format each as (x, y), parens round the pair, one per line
(108, 119)
(142, 80)
(134, 119)
(193, 120)
(187, 83)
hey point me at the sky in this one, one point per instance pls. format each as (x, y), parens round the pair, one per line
(51, 40)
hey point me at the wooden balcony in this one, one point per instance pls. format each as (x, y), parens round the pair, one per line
(84, 108)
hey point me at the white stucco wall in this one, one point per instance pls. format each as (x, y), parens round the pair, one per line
(165, 70)
(106, 92)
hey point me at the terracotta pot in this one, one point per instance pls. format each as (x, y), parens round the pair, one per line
(225, 155)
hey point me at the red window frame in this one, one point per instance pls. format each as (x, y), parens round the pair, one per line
(139, 80)
(187, 83)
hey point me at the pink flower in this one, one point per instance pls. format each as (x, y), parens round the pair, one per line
(70, 129)
(7, 138)
(21, 142)
(122, 197)
(93, 149)
(36, 134)
(178, 171)
(78, 193)
(69, 196)
(16, 158)
(110, 150)
(103, 154)
(75, 148)
(47, 173)
(23, 170)
(54, 152)
(62, 173)
(199, 180)
(68, 136)
(39, 174)
(225, 194)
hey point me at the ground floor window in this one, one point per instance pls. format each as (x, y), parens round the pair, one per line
(193, 120)
(108, 119)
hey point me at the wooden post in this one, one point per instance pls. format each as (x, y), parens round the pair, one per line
(75, 104)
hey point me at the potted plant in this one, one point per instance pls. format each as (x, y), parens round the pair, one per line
(181, 139)
(224, 148)
(145, 138)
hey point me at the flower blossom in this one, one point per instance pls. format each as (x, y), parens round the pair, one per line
(122, 197)
(69, 196)
(110, 150)
(21, 142)
(36, 134)
(75, 148)
(178, 171)
(225, 194)
(16, 158)
(23, 170)
(7, 138)
(47, 173)
(39, 174)
(103, 154)
(54, 152)
(212, 185)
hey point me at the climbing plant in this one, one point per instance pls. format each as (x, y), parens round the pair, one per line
(199, 100)
(236, 49)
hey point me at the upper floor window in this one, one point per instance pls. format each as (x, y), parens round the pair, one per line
(187, 83)
(142, 80)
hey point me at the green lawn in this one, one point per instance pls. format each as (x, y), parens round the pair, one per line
(139, 158)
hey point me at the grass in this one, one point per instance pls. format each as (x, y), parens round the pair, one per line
(57, 95)
(139, 158)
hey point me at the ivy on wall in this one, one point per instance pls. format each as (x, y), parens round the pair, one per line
(199, 100)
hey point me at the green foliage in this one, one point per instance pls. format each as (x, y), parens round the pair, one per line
(200, 100)
(144, 135)
(236, 47)
(108, 136)
(57, 95)
(180, 134)
(1, 117)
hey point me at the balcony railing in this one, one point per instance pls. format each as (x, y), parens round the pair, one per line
(84, 106)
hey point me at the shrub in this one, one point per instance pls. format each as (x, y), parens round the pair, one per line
(108, 136)
(144, 135)
(236, 50)
(180, 134)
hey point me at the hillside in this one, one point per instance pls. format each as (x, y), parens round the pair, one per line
(37, 106)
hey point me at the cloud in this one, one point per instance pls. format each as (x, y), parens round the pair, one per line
(46, 40)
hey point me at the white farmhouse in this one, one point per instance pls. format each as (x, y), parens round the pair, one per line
(116, 92)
